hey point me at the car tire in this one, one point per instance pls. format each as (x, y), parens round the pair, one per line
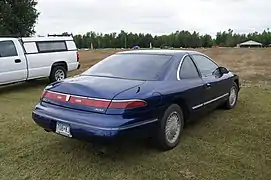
(170, 128)
(233, 97)
(58, 73)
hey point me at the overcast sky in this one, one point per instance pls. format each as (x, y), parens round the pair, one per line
(152, 16)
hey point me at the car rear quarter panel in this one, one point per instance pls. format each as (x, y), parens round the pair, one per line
(163, 94)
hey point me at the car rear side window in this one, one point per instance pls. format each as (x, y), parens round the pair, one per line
(7, 49)
(205, 65)
(51, 46)
(130, 66)
(188, 69)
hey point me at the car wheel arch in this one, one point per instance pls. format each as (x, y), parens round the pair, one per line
(183, 105)
(237, 83)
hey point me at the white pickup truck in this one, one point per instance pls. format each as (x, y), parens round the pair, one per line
(24, 59)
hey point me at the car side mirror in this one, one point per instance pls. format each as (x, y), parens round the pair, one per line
(220, 71)
(223, 70)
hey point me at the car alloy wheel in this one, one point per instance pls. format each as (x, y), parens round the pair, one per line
(232, 99)
(233, 96)
(172, 129)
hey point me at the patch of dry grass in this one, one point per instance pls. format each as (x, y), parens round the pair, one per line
(251, 64)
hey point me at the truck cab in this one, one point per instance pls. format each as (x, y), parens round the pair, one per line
(13, 64)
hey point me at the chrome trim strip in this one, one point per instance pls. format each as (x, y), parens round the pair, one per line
(97, 127)
(198, 106)
(179, 67)
(208, 102)
(130, 100)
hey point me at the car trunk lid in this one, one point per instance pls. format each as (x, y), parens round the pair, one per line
(87, 93)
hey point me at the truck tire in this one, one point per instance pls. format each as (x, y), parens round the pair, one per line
(58, 73)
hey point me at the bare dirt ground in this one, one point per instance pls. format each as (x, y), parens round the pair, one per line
(251, 64)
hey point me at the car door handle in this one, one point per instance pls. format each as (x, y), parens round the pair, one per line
(18, 61)
(208, 85)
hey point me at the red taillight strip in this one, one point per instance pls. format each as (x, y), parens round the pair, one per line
(97, 99)
(89, 102)
(94, 102)
(55, 96)
(79, 100)
(126, 104)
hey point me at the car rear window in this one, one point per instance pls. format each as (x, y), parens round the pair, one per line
(130, 66)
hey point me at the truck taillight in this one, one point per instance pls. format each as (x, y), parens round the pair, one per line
(77, 55)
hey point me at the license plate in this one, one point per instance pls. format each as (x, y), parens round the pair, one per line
(63, 129)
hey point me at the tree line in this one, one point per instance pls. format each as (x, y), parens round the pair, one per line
(184, 39)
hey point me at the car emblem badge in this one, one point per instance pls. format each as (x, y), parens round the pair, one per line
(68, 98)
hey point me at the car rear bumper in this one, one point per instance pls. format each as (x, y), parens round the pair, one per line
(93, 126)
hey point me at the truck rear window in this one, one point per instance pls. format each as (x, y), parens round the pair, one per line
(51, 46)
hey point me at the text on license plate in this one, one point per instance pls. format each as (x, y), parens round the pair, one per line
(63, 129)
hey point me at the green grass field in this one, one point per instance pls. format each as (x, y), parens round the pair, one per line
(231, 144)
(223, 145)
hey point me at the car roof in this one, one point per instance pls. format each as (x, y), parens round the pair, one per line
(160, 52)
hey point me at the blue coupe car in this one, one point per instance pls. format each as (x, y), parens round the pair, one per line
(137, 93)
